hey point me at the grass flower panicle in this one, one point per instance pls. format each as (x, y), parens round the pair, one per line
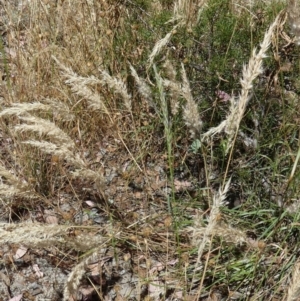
(127, 162)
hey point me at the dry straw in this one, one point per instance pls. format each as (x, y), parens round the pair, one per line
(60, 145)
(47, 128)
(174, 90)
(190, 112)
(77, 274)
(223, 230)
(19, 109)
(80, 86)
(118, 87)
(218, 202)
(159, 46)
(294, 287)
(172, 85)
(237, 108)
(11, 186)
(143, 87)
(187, 12)
(41, 235)
(60, 110)
(170, 70)
(45, 236)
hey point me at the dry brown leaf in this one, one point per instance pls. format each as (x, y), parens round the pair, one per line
(213, 297)
(178, 295)
(156, 268)
(138, 195)
(20, 252)
(173, 262)
(86, 292)
(50, 217)
(95, 267)
(16, 298)
(156, 288)
(5, 279)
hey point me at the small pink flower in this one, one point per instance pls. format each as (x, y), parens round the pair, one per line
(223, 96)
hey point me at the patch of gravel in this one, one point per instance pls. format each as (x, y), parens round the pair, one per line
(21, 277)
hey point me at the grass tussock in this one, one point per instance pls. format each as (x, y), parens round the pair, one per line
(177, 121)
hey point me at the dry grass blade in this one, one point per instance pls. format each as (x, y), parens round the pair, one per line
(294, 287)
(58, 108)
(163, 101)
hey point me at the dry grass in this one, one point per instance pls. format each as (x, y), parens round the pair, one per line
(294, 289)
(81, 94)
(250, 73)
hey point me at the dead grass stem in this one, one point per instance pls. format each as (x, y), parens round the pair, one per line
(294, 287)
(237, 108)
(218, 202)
(190, 112)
